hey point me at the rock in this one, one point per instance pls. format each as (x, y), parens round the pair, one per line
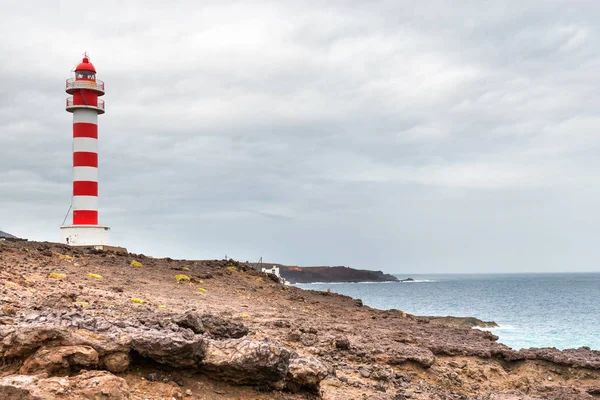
(60, 360)
(170, 348)
(462, 322)
(309, 339)
(222, 328)
(306, 372)
(342, 343)
(382, 373)
(364, 372)
(282, 324)
(92, 385)
(116, 362)
(244, 361)
(22, 387)
(216, 326)
(402, 353)
(582, 357)
(24, 340)
(100, 385)
(191, 320)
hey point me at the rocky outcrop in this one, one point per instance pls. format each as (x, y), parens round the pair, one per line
(92, 385)
(4, 235)
(333, 274)
(179, 350)
(461, 322)
(59, 344)
(582, 357)
(244, 361)
(59, 360)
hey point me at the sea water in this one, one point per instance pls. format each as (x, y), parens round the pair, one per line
(532, 310)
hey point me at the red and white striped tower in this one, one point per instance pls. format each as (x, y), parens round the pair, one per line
(85, 106)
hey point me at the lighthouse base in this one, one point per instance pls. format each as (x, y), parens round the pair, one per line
(85, 235)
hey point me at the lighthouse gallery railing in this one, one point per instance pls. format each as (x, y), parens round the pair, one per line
(73, 83)
(71, 104)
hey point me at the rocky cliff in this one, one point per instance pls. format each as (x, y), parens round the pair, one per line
(332, 274)
(4, 235)
(78, 324)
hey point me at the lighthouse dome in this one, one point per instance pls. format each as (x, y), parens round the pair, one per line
(85, 65)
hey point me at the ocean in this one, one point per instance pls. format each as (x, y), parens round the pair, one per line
(533, 310)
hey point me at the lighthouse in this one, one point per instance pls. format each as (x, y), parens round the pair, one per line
(85, 105)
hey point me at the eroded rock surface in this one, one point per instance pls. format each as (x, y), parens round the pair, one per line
(92, 385)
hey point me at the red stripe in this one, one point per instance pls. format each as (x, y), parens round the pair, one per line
(85, 129)
(85, 217)
(85, 188)
(85, 159)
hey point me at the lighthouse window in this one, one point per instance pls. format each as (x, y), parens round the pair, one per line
(86, 75)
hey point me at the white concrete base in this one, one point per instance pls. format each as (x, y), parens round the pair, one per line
(85, 235)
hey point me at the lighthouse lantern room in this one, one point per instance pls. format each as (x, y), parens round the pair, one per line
(85, 105)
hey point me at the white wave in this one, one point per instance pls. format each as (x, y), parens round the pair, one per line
(500, 328)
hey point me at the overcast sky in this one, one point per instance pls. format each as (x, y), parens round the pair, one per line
(422, 136)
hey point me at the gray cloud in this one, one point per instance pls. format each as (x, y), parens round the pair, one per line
(396, 135)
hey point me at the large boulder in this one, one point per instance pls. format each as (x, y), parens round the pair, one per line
(245, 361)
(170, 348)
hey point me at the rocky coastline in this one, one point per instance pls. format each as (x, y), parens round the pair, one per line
(336, 274)
(83, 324)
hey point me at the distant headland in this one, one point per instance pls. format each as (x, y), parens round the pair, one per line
(326, 274)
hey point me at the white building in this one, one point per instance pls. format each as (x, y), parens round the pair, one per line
(273, 270)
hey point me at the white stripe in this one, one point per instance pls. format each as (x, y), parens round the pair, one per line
(85, 174)
(85, 203)
(85, 144)
(85, 115)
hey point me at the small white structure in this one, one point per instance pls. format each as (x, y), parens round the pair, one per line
(85, 235)
(273, 270)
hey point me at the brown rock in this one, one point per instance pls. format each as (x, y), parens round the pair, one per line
(116, 362)
(244, 361)
(93, 385)
(306, 372)
(170, 348)
(100, 385)
(342, 343)
(57, 360)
